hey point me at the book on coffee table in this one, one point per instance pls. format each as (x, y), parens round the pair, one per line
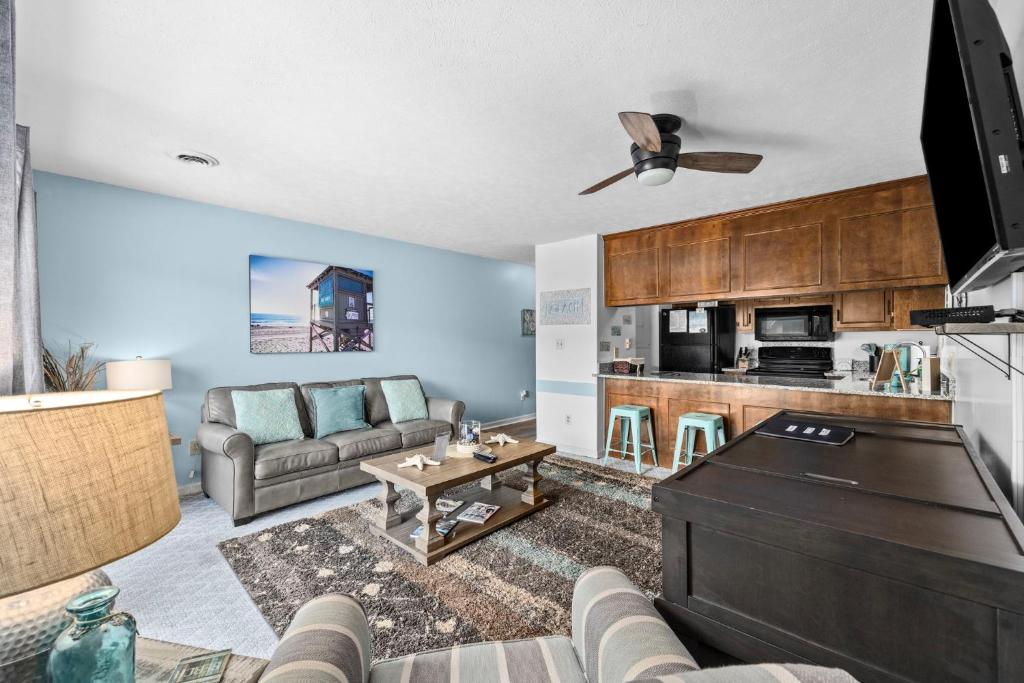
(446, 506)
(443, 527)
(478, 513)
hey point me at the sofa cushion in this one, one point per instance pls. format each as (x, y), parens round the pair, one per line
(362, 442)
(219, 407)
(307, 397)
(376, 404)
(405, 400)
(338, 409)
(267, 416)
(418, 432)
(285, 457)
(536, 660)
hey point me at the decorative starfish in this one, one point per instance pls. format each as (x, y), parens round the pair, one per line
(501, 439)
(418, 461)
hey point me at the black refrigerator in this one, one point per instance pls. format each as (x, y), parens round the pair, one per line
(697, 339)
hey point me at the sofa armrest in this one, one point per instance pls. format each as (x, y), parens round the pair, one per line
(223, 439)
(447, 411)
(758, 673)
(328, 640)
(229, 463)
(619, 635)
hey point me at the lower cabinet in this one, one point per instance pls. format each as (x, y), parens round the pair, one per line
(745, 406)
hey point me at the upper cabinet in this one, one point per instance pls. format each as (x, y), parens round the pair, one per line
(696, 261)
(631, 269)
(868, 238)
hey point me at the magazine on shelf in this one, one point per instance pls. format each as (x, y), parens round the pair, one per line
(478, 513)
(446, 506)
(444, 527)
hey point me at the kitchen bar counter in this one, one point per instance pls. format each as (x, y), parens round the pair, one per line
(856, 384)
(745, 401)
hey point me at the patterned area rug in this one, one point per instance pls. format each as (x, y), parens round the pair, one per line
(513, 583)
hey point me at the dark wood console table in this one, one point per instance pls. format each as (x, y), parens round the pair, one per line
(905, 562)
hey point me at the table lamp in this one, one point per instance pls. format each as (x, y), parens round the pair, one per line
(141, 373)
(86, 478)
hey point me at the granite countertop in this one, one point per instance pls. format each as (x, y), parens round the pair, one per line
(857, 383)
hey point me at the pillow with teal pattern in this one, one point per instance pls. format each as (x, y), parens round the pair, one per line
(405, 399)
(338, 409)
(267, 416)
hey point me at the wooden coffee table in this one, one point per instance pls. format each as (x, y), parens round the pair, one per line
(434, 480)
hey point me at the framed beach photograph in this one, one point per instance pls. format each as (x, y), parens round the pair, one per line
(308, 307)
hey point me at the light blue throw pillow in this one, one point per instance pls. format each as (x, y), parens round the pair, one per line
(267, 416)
(405, 399)
(338, 409)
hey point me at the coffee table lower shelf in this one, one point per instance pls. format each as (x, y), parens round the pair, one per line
(512, 509)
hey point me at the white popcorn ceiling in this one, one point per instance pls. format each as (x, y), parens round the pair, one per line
(470, 125)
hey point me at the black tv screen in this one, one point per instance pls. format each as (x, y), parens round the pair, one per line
(972, 142)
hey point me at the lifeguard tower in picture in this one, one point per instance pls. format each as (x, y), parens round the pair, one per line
(341, 310)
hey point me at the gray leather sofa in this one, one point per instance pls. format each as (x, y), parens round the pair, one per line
(247, 480)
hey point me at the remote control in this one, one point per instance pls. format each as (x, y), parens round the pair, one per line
(486, 457)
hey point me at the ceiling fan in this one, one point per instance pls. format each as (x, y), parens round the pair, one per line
(655, 152)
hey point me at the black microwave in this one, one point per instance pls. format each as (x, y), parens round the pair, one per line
(795, 324)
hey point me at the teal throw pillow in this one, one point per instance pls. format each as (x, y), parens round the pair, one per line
(267, 416)
(405, 399)
(338, 409)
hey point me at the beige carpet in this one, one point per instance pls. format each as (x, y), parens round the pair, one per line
(514, 583)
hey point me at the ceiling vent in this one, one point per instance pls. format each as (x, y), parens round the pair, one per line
(197, 159)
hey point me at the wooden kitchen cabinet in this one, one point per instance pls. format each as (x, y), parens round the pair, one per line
(892, 247)
(863, 310)
(745, 315)
(913, 299)
(631, 278)
(869, 238)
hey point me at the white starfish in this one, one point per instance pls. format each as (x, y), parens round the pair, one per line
(501, 439)
(418, 461)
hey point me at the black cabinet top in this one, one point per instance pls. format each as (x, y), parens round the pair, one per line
(914, 484)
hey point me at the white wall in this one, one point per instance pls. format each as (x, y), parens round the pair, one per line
(567, 402)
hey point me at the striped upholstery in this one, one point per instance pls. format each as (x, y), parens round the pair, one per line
(328, 641)
(760, 673)
(512, 661)
(617, 633)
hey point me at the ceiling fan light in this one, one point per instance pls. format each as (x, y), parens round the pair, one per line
(655, 176)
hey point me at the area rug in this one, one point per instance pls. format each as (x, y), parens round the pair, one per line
(513, 583)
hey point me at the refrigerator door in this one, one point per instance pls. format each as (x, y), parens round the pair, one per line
(688, 340)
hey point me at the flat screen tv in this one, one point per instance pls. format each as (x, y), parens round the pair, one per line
(973, 145)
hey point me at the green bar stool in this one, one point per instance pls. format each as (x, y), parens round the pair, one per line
(713, 427)
(629, 418)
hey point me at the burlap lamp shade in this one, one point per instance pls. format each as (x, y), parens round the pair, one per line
(85, 479)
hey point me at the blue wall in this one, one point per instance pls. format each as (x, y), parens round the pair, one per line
(144, 274)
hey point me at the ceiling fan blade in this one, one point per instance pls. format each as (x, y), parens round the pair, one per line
(607, 181)
(720, 162)
(642, 129)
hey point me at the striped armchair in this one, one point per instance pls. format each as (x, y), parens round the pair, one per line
(617, 637)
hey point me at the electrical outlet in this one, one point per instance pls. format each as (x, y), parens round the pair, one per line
(568, 419)
(193, 447)
(523, 395)
(191, 474)
(559, 344)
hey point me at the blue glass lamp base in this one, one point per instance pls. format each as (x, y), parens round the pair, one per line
(98, 646)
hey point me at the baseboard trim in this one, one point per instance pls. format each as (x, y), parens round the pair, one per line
(189, 489)
(508, 421)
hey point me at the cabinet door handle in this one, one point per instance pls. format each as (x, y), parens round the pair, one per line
(839, 315)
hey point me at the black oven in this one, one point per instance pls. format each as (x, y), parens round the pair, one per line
(796, 324)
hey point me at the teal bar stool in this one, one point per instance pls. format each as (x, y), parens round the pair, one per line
(713, 427)
(629, 418)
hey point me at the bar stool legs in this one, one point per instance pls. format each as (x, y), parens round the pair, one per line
(713, 427)
(628, 419)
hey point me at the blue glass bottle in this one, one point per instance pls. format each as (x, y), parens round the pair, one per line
(97, 646)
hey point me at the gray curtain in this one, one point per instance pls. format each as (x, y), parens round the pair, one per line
(21, 366)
